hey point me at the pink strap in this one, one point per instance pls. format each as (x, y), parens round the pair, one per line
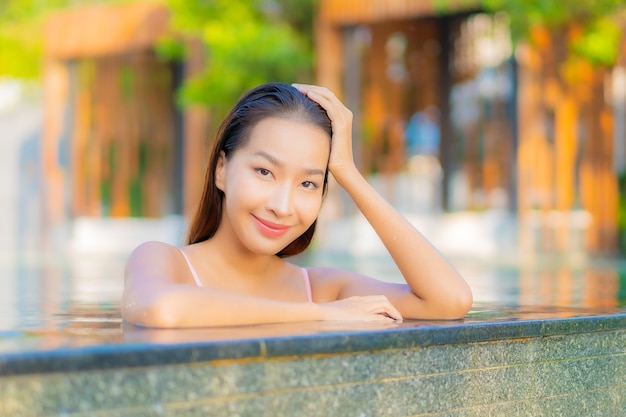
(193, 271)
(307, 284)
(305, 275)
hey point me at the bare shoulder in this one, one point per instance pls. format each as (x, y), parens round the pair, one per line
(332, 284)
(156, 260)
(324, 274)
(328, 283)
(153, 247)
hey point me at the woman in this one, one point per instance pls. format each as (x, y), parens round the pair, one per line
(263, 192)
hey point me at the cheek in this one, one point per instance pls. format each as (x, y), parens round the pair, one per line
(240, 182)
(244, 192)
(310, 207)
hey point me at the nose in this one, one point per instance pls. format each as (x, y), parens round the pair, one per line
(281, 200)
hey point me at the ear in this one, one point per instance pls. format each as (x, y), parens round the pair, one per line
(220, 172)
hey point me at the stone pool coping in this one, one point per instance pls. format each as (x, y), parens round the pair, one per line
(109, 344)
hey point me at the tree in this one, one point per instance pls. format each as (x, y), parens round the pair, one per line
(21, 33)
(247, 42)
(598, 35)
(566, 120)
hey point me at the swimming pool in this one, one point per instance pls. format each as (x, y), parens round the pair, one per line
(49, 292)
(543, 338)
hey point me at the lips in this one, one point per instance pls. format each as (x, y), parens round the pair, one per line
(270, 229)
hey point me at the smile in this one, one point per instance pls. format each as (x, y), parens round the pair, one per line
(270, 229)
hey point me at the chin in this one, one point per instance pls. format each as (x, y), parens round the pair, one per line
(266, 249)
(260, 244)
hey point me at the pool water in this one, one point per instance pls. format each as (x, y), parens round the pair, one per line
(541, 339)
(56, 292)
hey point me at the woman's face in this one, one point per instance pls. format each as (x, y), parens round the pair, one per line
(273, 185)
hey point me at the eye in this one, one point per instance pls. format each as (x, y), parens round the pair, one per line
(310, 185)
(263, 172)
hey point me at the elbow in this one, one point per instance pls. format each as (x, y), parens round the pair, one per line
(160, 316)
(460, 304)
(158, 313)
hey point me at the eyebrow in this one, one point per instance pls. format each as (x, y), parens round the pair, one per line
(274, 161)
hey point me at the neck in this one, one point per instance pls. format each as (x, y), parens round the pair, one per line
(232, 255)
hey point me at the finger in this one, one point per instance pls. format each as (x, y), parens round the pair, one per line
(378, 305)
(321, 95)
(381, 318)
(382, 305)
(309, 87)
(338, 122)
(302, 86)
(389, 311)
(358, 314)
(338, 113)
(393, 312)
(394, 317)
(330, 105)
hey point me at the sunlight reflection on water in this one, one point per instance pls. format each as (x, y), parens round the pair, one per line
(45, 292)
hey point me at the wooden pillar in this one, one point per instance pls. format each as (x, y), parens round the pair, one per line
(329, 66)
(565, 160)
(534, 156)
(352, 87)
(600, 187)
(445, 87)
(512, 115)
(196, 136)
(55, 101)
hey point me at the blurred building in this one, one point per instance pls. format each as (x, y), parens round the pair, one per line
(435, 87)
(513, 133)
(404, 64)
(115, 143)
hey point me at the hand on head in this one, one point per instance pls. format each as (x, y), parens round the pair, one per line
(341, 156)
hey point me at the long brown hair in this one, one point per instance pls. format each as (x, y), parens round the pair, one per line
(267, 100)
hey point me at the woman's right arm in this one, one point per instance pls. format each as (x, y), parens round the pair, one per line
(152, 297)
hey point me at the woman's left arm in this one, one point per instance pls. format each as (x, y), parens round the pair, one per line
(436, 290)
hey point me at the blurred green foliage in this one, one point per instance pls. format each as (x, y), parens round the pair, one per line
(22, 33)
(600, 37)
(247, 42)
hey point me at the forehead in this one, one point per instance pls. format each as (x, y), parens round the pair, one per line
(292, 123)
(289, 137)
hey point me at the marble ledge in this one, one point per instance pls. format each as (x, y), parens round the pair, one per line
(74, 345)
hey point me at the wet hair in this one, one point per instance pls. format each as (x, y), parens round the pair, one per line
(267, 100)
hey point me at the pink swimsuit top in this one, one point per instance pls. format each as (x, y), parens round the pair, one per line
(305, 275)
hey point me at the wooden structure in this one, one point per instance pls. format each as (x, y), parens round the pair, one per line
(566, 149)
(392, 60)
(115, 143)
(549, 144)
